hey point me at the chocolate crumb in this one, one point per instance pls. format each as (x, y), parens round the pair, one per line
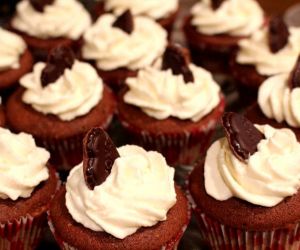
(125, 22)
(278, 34)
(39, 5)
(294, 80)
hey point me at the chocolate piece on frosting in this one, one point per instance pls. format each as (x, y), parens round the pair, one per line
(241, 134)
(125, 22)
(39, 5)
(177, 59)
(59, 59)
(99, 154)
(215, 4)
(294, 79)
(278, 34)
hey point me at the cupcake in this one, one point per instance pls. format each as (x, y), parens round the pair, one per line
(121, 198)
(120, 46)
(59, 102)
(269, 51)
(277, 103)
(27, 185)
(163, 12)
(214, 28)
(15, 60)
(246, 193)
(172, 109)
(46, 24)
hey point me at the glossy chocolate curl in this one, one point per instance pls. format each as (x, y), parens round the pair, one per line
(99, 155)
(278, 34)
(177, 59)
(59, 59)
(215, 4)
(243, 137)
(294, 80)
(39, 5)
(125, 22)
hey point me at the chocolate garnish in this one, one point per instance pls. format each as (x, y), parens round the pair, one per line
(39, 5)
(59, 59)
(241, 134)
(177, 59)
(125, 22)
(215, 4)
(278, 34)
(99, 154)
(294, 80)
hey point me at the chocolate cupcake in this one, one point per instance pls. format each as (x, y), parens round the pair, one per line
(214, 28)
(59, 102)
(121, 198)
(120, 46)
(278, 101)
(173, 108)
(46, 24)
(163, 12)
(15, 60)
(269, 51)
(246, 193)
(27, 187)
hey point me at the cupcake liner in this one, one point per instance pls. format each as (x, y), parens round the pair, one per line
(66, 153)
(171, 245)
(23, 233)
(220, 236)
(182, 148)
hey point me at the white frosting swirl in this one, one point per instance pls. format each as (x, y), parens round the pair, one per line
(22, 165)
(233, 17)
(73, 94)
(161, 94)
(278, 101)
(63, 18)
(12, 48)
(113, 48)
(266, 178)
(155, 9)
(255, 50)
(138, 193)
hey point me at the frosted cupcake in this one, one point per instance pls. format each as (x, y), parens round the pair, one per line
(45, 24)
(278, 101)
(15, 60)
(120, 46)
(163, 12)
(121, 198)
(172, 108)
(27, 185)
(214, 28)
(59, 102)
(246, 194)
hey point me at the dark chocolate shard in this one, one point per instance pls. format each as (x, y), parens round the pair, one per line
(215, 4)
(59, 59)
(294, 80)
(243, 137)
(125, 22)
(177, 59)
(278, 34)
(99, 155)
(39, 5)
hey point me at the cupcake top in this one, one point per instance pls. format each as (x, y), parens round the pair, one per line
(279, 97)
(22, 165)
(12, 47)
(119, 190)
(258, 164)
(123, 42)
(272, 50)
(63, 86)
(163, 92)
(55, 18)
(232, 17)
(155, 9)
